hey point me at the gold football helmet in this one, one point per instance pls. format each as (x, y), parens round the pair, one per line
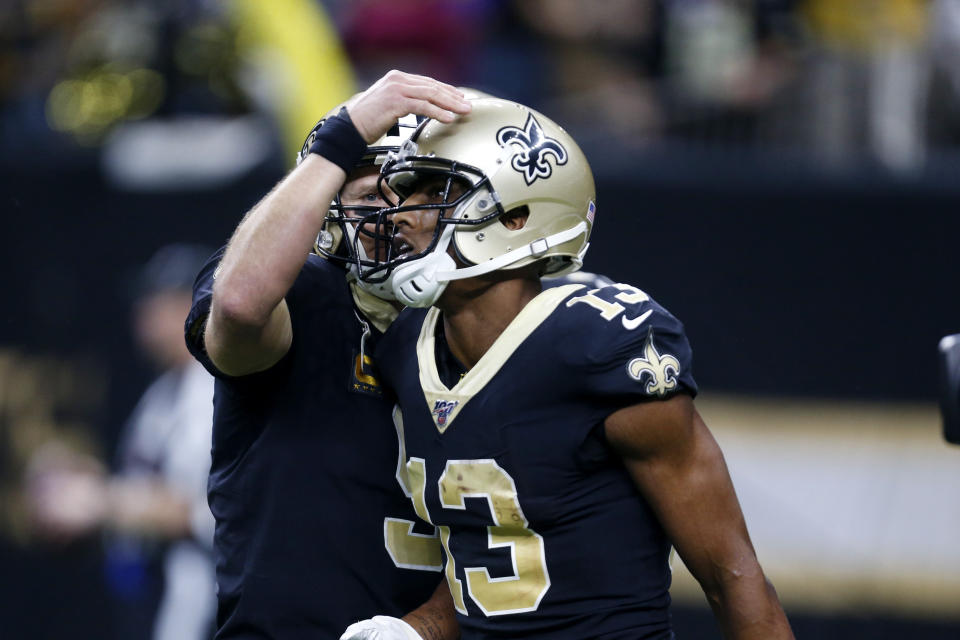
(509, 158)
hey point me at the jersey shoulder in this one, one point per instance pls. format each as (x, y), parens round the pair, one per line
(318, 269)
(319, 297)
(401, 336)
(619, 338)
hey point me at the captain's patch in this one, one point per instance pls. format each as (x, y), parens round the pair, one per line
(363, 376)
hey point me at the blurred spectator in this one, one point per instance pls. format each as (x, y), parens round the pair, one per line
(869, 79)
(601, 61)
(438, 38)
(197, 93)
(183, 93)
(155, 507)
(81, 68)
(728, 66)
(944, 104)
(636, 70)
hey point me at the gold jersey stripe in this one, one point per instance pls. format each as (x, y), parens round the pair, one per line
(529, 318)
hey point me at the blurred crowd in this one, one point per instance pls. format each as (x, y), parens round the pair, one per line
(846, 81)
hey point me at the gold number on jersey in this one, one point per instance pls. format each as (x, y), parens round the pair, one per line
(416, 475)
(511, 594)
(610, 310)
(407, 549)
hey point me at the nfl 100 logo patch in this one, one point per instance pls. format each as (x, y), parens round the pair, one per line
(442, 410)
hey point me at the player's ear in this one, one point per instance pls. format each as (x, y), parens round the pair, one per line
(515, 219)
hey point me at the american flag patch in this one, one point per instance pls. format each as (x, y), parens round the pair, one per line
(591, 212)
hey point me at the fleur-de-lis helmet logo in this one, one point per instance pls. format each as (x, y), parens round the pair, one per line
(535, 149)
(662, 370)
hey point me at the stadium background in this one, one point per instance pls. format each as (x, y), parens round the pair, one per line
(781, 174)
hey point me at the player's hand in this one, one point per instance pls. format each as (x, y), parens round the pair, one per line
(380, 628)
(397, 94)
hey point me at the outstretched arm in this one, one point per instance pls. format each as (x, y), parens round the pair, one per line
(249, 329)
(679, 468)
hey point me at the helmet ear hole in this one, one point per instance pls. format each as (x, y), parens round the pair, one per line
(328, 241)
(516, 218)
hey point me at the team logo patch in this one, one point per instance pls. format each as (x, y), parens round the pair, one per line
(535, 149)
(661, 370)
(442, 409)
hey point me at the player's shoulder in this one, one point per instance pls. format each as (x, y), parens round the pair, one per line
(613, 309)
(320, 285)
(396, 348)
(315, 268)
(200, 307)
(319, 268)
(203, 284)
(617, 335)
(407, 325)
(586, 278)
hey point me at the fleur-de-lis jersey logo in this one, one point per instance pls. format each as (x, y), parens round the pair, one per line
(662, 370)
(535, 150)
(442, 409)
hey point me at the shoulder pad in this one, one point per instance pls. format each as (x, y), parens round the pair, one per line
(631, 344)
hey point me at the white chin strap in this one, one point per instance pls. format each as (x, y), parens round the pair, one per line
(383, 290)
(420, 283)
(415, 283)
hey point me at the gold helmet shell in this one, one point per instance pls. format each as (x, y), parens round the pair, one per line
(513, 158)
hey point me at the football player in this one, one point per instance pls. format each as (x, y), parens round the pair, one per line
(313, 530)
(551, 435)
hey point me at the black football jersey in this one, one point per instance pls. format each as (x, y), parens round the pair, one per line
(313, 530)
(544, 533)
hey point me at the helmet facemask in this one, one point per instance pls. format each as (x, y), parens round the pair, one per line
(455, 188)
(344, 226)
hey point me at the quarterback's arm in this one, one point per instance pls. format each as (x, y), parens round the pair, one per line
(679, 467)
(248, 328)
(433, 620)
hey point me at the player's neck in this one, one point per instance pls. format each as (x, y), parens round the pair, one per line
(474, 317)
